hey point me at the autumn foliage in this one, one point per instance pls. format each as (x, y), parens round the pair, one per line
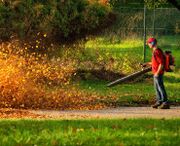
(32, 80)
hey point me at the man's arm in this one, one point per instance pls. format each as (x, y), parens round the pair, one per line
(146, 64)
(149, 63)
(160, 67)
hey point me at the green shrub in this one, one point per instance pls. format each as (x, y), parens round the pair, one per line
(61, 18)
(5, 25)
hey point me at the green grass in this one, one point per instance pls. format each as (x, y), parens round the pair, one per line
(132, 93)
(137, 91)
(136, 132)
(132, 47)
(116, 49)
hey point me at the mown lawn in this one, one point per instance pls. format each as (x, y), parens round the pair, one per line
(123, 132)
(143, 90)
(134, 93)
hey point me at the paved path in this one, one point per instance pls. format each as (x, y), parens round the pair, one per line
(121, 112)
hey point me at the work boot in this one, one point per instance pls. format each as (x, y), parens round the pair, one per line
(156, 105)
(164, 106)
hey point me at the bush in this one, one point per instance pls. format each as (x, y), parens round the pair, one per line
(64, 19)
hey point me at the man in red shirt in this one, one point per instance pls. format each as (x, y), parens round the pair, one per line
(157, 63)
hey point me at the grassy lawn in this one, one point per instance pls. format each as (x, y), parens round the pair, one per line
(135, 92)
(132, 48)
(122, 132)
(142, 91)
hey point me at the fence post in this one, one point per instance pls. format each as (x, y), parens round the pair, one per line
(154, 18)
(144, 50)
(154, 22)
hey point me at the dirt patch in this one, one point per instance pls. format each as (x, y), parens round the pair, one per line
(98, 74)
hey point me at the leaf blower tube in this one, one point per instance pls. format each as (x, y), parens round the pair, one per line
(131, 76)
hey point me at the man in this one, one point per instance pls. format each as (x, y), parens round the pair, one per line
(157, 63)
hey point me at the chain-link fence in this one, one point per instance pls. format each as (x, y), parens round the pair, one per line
(122, 46)
(161, 21)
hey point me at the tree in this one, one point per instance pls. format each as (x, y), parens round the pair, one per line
(156, 3)
(175, 3)
(61, 19)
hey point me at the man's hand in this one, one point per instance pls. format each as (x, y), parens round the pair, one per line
(159, 70)
(145, 64)
(156, 74)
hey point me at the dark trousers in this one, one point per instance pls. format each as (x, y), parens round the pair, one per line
(161, 95)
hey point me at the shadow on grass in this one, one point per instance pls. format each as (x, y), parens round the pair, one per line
(172, 79)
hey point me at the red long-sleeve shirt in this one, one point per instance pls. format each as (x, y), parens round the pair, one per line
(157, 59)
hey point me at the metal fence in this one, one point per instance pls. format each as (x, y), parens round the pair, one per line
(160, 21)
(144, 23)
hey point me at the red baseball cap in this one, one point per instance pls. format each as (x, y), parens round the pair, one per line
(150, 40)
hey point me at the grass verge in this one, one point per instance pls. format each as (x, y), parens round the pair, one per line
(149, 132)
(134, 93)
